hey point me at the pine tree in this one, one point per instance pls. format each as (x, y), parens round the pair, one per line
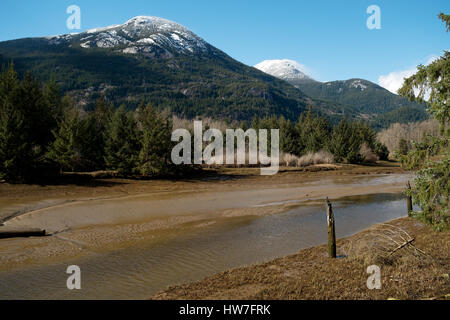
(300, 145)
(93, 140)
(26, 122)
(15, 151)
(368, 135)
(431, 157)
(53, 100)
(403, 147)
(381, 150)
(9, 83)
(154, 157)
(67, 150)
(37, 114)
(345, 143)
(287, 136)
(313, 133)
(121, 142)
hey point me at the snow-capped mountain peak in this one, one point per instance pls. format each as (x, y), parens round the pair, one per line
(283, 69)
(161, 24)
(151, 36)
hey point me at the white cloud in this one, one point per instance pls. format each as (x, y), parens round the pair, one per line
(394, 80)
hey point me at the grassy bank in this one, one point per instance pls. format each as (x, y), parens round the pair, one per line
(417, 271)
(100, 183)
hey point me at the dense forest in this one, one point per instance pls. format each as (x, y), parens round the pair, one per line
(367, 97)
(401, 115)
(382, 107)
(212, 85)
(43, 134)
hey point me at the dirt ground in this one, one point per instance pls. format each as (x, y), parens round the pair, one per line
(89, 186)
(419, 270)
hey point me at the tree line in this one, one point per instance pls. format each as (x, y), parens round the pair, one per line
(43, 134)
(313, 133)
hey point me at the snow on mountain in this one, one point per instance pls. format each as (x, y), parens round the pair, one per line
(147, 35)
(283, 69)
(358, 84)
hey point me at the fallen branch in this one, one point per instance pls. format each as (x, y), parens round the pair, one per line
(401, 246)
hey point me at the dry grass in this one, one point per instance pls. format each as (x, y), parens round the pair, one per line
(321, 157)
(309, 159)
(288, 160)
(310, 274)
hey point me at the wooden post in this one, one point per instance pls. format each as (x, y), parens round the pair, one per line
(409, 200)
(331, 231)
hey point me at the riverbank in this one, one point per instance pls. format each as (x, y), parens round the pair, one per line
(417, 271)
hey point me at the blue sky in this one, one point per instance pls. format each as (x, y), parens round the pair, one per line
(329, 37)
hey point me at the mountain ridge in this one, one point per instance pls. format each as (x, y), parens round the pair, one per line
(283, 69)
(203, 81)
(147, 35)
(368, 98)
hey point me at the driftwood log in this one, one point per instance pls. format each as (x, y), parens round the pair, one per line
(6, 232)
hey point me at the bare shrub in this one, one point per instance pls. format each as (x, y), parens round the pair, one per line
(321, 157)
(306, 160)
(368, 155)
(288, 160)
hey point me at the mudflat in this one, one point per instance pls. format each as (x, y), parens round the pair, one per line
(107, 214)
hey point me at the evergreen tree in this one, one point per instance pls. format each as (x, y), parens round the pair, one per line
(9, 83)
(320, 134)
(92, 140)
(67, 150)
(94, 127)
(15, 151)
(37, 114)
(53, 100)
(403, 147)
(431, 157)
(313, 133)
(288, 138)
(26, 124)
(368, 135)
(121, 142)
(345, 143)
(381, 150)
(154, 157)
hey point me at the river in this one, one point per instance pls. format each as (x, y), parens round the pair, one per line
(141, 270)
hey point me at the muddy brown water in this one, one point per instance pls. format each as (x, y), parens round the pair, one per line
(138, 272)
